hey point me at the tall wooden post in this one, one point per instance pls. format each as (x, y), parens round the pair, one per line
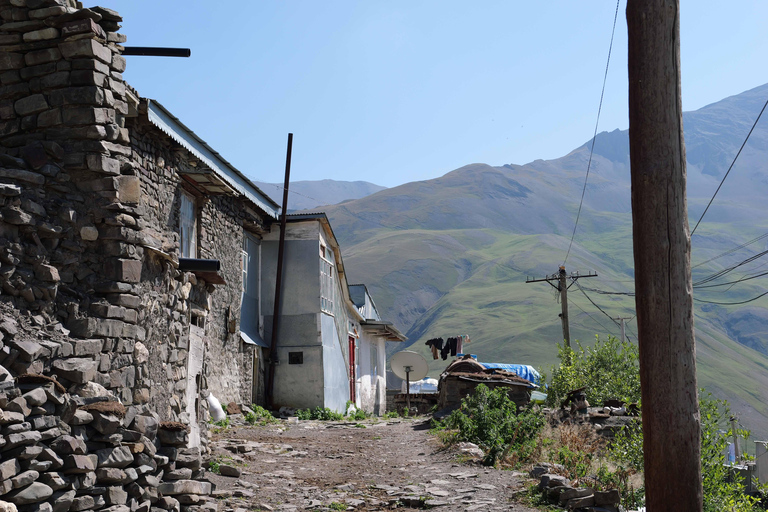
(662, 249)
(562, 286)
(564, 301)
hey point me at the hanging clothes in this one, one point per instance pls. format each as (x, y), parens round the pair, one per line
(452, 345)
(435, 344)
(446, 349)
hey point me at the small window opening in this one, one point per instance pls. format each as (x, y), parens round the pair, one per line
(295, 357)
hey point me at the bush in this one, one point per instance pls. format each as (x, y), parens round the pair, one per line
(489, 418)
(719, 493)
(608, 370)
(319, 413)
(259, 415)
(715, 433)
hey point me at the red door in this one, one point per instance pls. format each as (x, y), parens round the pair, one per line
(352, 376)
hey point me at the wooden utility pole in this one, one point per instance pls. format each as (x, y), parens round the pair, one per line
(562, 286)
(662, 249)
(623, 323)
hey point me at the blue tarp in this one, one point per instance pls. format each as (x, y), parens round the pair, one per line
(525, 371)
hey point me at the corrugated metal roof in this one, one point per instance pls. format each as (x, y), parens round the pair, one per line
(232, 178)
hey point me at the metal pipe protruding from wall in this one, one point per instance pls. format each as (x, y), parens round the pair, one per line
(199, 265)
(153, 51)
(273, 360)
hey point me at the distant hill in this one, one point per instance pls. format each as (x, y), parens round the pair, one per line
(311, 194)
(451, 255)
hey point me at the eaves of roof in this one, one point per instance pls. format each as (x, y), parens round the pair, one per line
(234, 179)
(381, 328)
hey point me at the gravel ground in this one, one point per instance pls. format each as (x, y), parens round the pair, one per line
(313, 465)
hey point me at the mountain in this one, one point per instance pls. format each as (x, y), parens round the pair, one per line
(451, 255)
(310, 194)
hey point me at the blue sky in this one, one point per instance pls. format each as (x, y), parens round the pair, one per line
(396, 91)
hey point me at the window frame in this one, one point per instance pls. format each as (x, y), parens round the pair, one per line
(188, 242)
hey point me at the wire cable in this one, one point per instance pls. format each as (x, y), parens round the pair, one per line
(731, 251)
(733, 282)
(594, 137)
(595, 304)
(725, 271)
(729, 168)
(590, 316)
(731, 303)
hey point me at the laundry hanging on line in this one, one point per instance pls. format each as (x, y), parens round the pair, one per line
(453, 345)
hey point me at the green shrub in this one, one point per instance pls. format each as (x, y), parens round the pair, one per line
(358, 415)
(489, 418)
(222, 424)
(609, 369)
(259, 416)
(715, 433)
(319, 413)
(627, 447)
(719, 493)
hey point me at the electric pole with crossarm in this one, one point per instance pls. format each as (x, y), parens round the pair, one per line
(561, 277)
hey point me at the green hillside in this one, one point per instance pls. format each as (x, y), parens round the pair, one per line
(451, 255)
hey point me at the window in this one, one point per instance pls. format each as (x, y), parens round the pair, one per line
(327, 286)
(249, 301)
(188, 226)
(295, 357)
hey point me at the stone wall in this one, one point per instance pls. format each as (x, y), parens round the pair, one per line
(174, 302)
(89, 222)
(62, 452)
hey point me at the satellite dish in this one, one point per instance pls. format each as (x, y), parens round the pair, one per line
(409, 365)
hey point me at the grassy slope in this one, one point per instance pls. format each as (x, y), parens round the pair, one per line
(451, 255)
(477, 282)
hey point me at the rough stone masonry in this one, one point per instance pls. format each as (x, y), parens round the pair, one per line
(62, 452)
(90, 290)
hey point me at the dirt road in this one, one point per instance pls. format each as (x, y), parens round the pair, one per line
(313, 465)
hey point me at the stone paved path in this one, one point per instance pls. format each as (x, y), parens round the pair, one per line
(332, 466)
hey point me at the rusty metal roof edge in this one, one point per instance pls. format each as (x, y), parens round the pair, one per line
(506, 381)
(172, 126)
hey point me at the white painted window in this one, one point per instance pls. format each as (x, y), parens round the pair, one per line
(327, 286)
(188, 226)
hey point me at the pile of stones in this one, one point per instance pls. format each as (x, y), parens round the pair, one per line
(605, 421)
(61, 452)
(559, 491)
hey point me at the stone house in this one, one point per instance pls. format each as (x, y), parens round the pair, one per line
(330, 349)
(110, 210)
(108, 204)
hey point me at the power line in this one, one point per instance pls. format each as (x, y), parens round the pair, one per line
(606, 292)
(590, 316)
(731, 303)
(594, 303)
(594, 137)
(731, 251)
(725, 271)
(729, 168)
(291, 191)
(734, 282)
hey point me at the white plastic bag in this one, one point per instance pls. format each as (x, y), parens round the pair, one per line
(214, 407)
